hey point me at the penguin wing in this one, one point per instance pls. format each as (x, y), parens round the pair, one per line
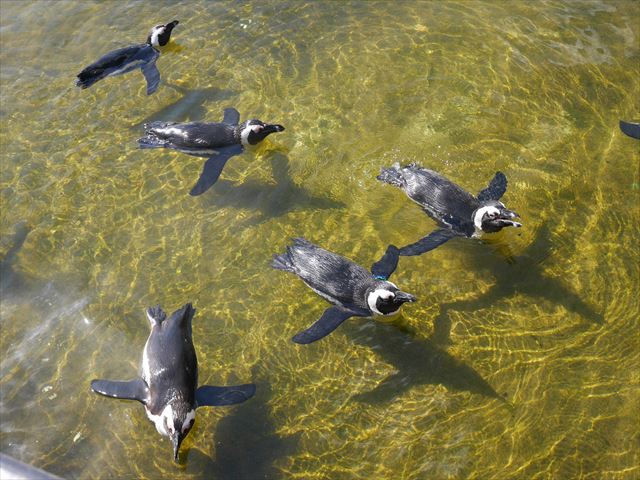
(231, 116)
(431, 241)
(208, 396)
(495, 190)
(385, 267)
(132, 390)
(213, 168)
(630, 128)
(151, 75)
(328, 322)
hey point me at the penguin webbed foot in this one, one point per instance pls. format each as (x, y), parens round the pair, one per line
(156, 315)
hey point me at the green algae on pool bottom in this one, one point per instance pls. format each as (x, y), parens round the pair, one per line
(520, 359)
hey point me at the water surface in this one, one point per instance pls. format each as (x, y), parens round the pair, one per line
(521, 359)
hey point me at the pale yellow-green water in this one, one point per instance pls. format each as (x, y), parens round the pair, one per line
(94, 230)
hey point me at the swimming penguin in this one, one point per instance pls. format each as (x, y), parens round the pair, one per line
(217, 141)
(169, 388)
(630, 128)
(123, 60)
(354, 291)
(457, 212)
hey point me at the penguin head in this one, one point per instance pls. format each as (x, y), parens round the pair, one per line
(160, 34)
(493, 217)
(386, 299)
(178, 424)
(254, 131)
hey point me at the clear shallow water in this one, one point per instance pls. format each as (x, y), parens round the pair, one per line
(94, 230)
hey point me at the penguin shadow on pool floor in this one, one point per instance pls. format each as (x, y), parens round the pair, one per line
(418, 361)
(189, 107)
(246, 443)
(271, 200)
(519, 274)
(12, 281)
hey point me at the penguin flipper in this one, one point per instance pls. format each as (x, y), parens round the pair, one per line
(231, 116)
(152, 75)
(630, 128)
(208, 396)
(328, 322)
(495, 190)
(431, 241)
(385, 267)
(132, 390)
(213, 168)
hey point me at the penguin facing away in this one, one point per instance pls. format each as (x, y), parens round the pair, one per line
(124, 60)
(168, 387)
(353, 290)
(457, 212)
(217, 141)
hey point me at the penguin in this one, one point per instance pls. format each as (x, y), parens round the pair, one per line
(217, 141)
(631, 129)
(352, 289)
(456, 211)
(123, 60)
(168, 387)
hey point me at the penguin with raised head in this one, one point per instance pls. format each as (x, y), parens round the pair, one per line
(457, 212)
(168, 388)
(123, 60)
(217, 141)
(353, 290)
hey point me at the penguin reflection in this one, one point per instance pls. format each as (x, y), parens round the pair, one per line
(272, 200)
(418, 362)
(520, 274)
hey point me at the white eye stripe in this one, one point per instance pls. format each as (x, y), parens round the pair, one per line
(477, 217)
(191, 416)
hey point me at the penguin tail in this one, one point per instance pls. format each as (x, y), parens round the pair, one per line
(392, 176)
(85, 81)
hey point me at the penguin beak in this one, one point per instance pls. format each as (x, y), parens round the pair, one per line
(508, 213)
(170, 26)
(505, 218)
(273, 128)
(176, 440)
(405, 297)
